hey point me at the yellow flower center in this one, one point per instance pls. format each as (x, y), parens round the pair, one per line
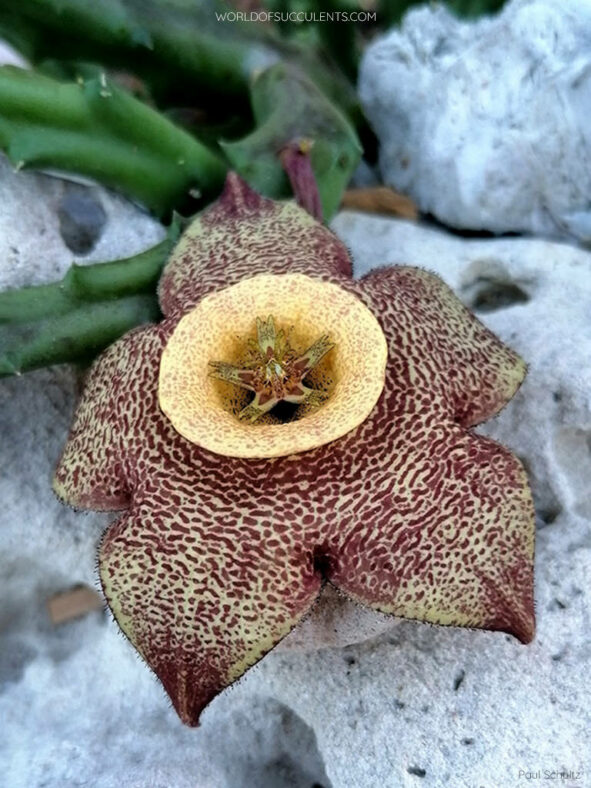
(273, 371)
(307, 373)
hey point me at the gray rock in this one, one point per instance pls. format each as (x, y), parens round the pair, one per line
(485, 124)
(81, 217)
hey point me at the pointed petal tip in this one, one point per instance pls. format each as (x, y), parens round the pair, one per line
(525, 631)
(189, 688)
(520, 604)
(518, 621)
(189, 718)
(238, 196)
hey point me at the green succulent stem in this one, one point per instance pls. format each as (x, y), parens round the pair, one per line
(88, 283)
(99, 130)
(72, 336)
(183, 49)
(76, 318)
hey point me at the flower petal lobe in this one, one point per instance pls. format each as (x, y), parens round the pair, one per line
(201, 600)
(445, 536)
(244, 234)
(447, 352)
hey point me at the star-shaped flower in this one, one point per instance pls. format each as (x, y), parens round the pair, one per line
(377, 486)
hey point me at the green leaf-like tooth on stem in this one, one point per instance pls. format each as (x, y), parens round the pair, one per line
(289, 109)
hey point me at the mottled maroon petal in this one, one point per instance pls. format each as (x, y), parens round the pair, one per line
(241, 235)
(444, 534)
(438, 350)
(200, 589)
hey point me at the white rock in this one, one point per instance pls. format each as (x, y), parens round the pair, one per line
(79, 707)
(335, 621)
(9, 56)
(485, 124)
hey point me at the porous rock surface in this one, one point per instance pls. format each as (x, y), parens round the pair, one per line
(416, 706)
(485, 124)
(33, 249)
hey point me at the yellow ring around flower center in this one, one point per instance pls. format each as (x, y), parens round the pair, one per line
(190, 398)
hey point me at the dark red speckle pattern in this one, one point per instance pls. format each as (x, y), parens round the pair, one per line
(215, 559)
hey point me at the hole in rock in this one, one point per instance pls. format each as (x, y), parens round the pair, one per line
(81, 217)
(548, 516)
(488, 285)
(491, 295)
(15, 655)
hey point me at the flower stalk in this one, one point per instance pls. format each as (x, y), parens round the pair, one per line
(295, 121)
